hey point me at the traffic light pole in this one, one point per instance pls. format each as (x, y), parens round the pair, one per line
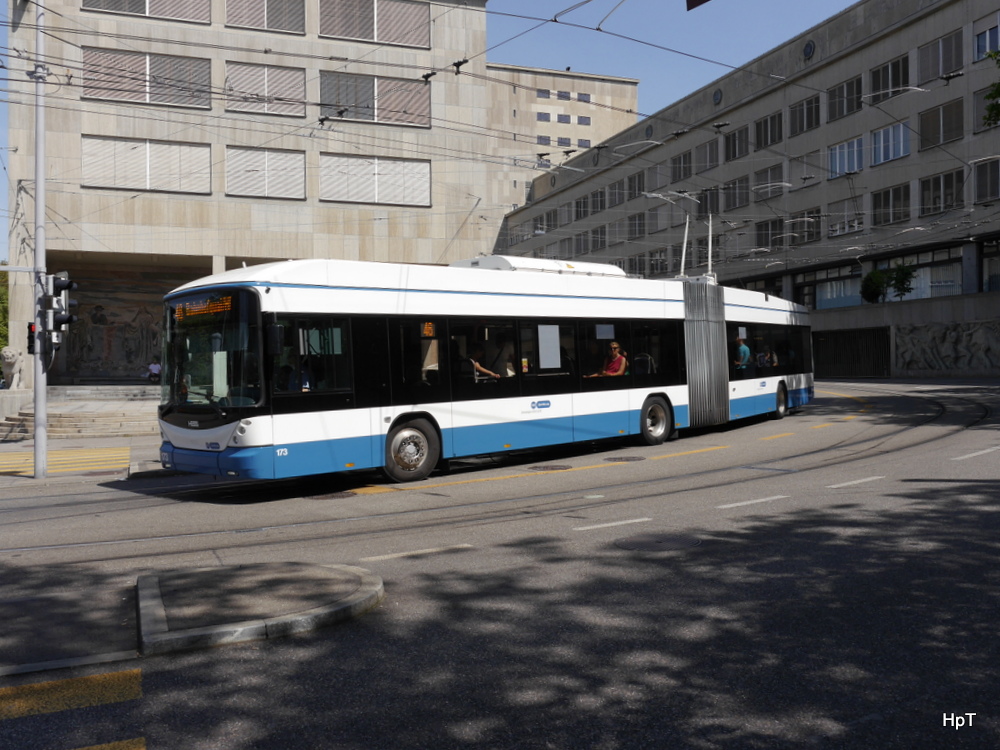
(41, 350)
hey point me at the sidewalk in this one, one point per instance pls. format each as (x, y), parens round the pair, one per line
(60, 617)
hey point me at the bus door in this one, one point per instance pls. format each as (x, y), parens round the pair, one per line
(417, 377)
(601, 409)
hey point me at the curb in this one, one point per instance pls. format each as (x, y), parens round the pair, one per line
(155, 636)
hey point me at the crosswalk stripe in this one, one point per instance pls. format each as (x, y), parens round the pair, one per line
(76, 692)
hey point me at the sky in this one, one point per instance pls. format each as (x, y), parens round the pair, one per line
(670, 50)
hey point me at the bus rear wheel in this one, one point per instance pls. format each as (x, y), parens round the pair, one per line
(781, 403)
(655, 421)
(412, 450)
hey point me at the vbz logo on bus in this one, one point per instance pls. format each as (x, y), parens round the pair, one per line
(541, 404)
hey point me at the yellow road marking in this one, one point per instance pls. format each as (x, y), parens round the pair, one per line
(136, 744)
(691, 453)
(68, 460)
(820, 426)
(775, 437)
(77, 692)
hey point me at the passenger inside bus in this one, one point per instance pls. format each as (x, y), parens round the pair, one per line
(477, 354)
(615, 363)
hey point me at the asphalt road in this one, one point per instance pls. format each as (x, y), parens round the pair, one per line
(828, 580)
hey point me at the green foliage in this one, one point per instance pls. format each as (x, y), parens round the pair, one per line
(992, 116)
(875, 286)
(901, 280)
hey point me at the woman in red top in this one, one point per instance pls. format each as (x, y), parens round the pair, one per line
(615, 363)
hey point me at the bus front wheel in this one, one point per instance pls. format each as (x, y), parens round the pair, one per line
(781, 403)
(655, 421)
(412, 450)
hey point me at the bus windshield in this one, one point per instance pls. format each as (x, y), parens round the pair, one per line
(212, 350)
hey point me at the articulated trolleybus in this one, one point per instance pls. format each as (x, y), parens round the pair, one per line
(315, 366)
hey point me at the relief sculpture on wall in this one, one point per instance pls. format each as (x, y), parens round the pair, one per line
(966, 348)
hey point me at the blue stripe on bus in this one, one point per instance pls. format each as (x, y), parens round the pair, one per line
(765, 403)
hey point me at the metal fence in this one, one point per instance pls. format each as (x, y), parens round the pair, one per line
(859, 353)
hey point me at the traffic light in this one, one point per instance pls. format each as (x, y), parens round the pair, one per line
(31, 338)
(57, 302)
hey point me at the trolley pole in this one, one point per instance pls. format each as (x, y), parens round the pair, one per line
(41, 335)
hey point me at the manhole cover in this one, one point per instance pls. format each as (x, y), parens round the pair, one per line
(550, 467)
(657, 542)
(624, 459)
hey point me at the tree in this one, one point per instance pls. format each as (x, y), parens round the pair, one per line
(992, 116)
(875, 286)
(901, 280)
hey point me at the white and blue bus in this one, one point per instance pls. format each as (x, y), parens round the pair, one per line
(316, 366)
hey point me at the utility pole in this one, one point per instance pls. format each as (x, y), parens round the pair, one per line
(41, 335)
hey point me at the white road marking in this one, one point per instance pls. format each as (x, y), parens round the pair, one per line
(977, 453)
(752, 502)
(608, 525)
(856, 481)
(416, 553)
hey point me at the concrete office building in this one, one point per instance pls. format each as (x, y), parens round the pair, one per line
(186, 138)
(857, 145)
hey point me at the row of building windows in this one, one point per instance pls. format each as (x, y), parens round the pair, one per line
(158, 166)
(561, 142)
(384, 21)
(935, 194)
(263, 89)
(564, 119)
(564, 96)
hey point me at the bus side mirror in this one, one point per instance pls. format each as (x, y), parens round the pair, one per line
(275, 339)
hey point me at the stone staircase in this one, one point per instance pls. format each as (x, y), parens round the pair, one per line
(89, 411)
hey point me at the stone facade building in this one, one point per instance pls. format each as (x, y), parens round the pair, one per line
(189, 138)
(857, 145)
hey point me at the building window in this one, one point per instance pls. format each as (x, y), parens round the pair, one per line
(583, 143)
(564, 142)
(385, 21)
(942, 192)
(544, 140)
(564, 119)
(543, 93)
(843, 99)
(770, 234)
(846, 158)
(543, 117)
(146, 165)
(940, 57)
(265, 173)
(598, 237)
(581, 207)
(986, 41)
(680, 167)
(616, 193)
(708, 203)
(370, 179)
(804, 226)
(804, 115)
(846, 216)
(563, 95)
(941, 124)
(598, 201)
(767, 183)
(146, 78)
(737, 143)
(267, 15)
(891, 205)
(767, 131)
(583, 97)
(266, 89)
(583, 120)
(192, 10)
(374, 99)
(736, 193)
(890, 79)
(581, 243)
(706, 156)
(891, 143)
(637, 225)
(636, 184)
(987, 180)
